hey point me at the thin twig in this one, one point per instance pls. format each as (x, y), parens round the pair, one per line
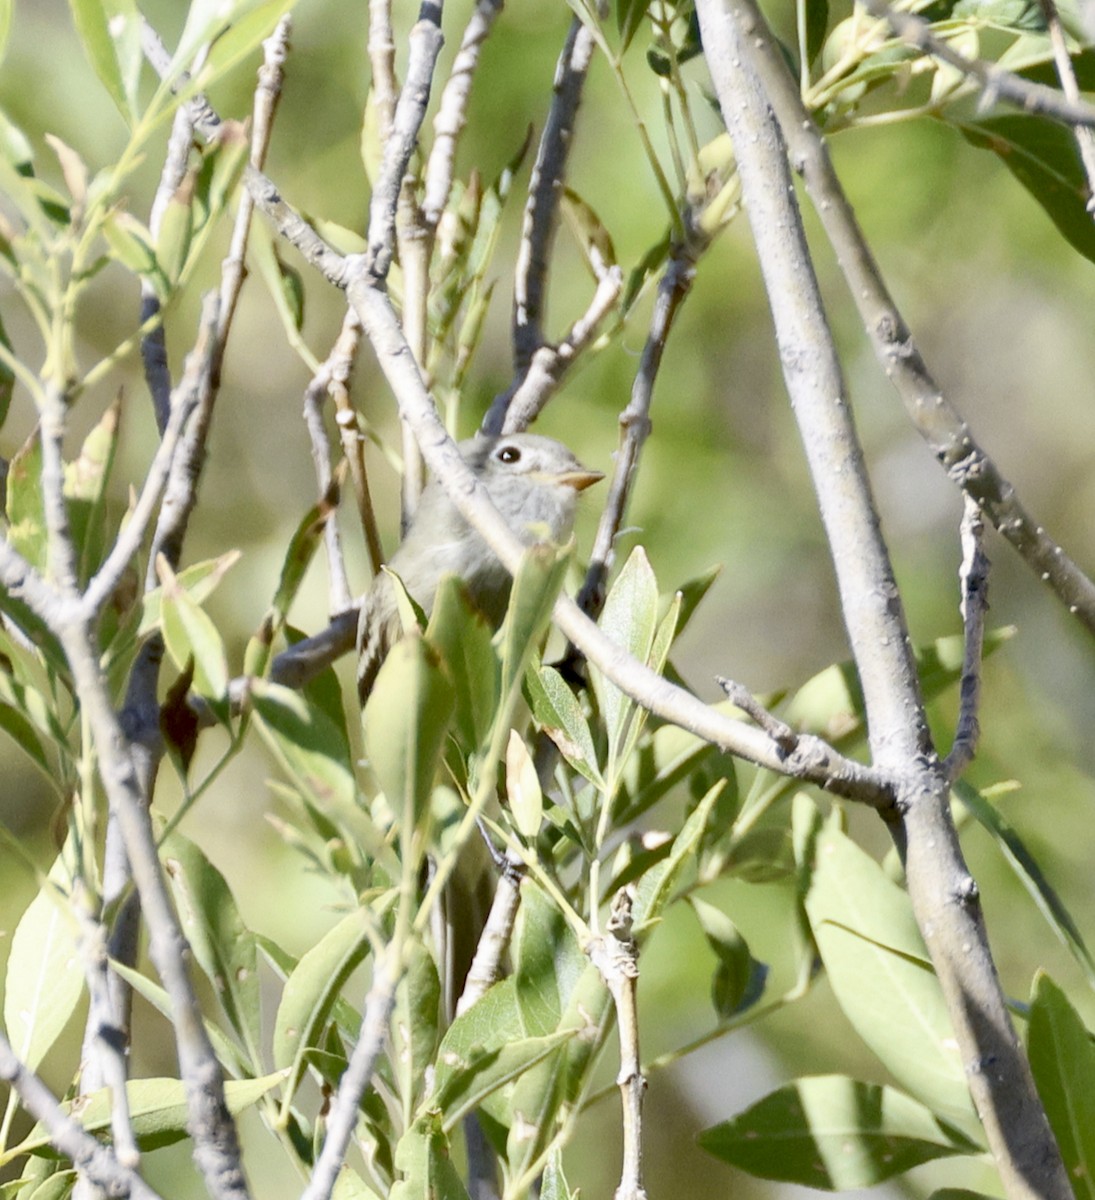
(452, 111)
(382, 59)
(339, 594)
(517, 408)
(486, 966)
(104, 1033)
(741, 697)
(410, 111)
(545, 190)
(184, 398)
(154, 344)
(89, 1156)
(974, 576)
(997, 83)
(51, 431)
(1062, 60)
(936, 419)
(616, 956)
(343, 1114)
(635, 426)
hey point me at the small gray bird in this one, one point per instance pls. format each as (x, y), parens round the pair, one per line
(533, 482)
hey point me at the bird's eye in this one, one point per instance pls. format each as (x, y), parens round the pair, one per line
(509, 454)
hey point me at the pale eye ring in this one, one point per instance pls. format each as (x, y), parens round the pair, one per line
(509, 454)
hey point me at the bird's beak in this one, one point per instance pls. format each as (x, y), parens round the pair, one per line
(579, 480)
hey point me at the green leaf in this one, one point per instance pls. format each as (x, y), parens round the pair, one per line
(817, 25)
(630, 619)
(243, 33)
(548, 962)
(86, 479)
(523, 794)
(658, 885)
(738, 982)
(832, 1133)
(629, 20)
(198, 581)
(44, 979)
(310, 994)
(1029, 873)
(1043, 157)
(190, 634)
(25, 506)
(463, 638)
(536, 585)
(1062, 1058)
(424, 1159)
(416, 1025)
(881, 976)
(157, 1109)
(220, 941)
(589, 232)
(112, 59)
(5, 25)
(132, 245)
(309, 745)
(560, 716)
(405, 720)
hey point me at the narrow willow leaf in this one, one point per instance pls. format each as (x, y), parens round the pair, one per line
(424, 1160)
(881, 976)
(310, 994)
(537, 583)
(416, 1025)
(93, 22)
(1030, 874)
(405, 720)
(311, 748)
(158, 1111)
(190, 634)
(548, 962)
(21, 732)
(526, 800)
(1062, 1058)
(221, 943)
(86, 479)
(24, 502)
(488, 1071)
(199, 581)
(832, 1133)
(1042, 156)
(463, 637)
(658, 885)
(589, 231)
(559, 714)
(44, 979)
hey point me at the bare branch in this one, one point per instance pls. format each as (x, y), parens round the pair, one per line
(950, 438)
(545, 189)
(91, 1157)
(51, 430)
(452, 111)
(943, 894)
(616, 956)
(635, 426)
(997, 83)
(516, 409)
(741, 697)
(486, 966)
(339, 595)
(410, 111)
(975, 603)
(343, 1115)
(105, 1032)
(154, 344)
(382, 59)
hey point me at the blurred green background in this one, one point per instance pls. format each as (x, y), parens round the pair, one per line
(1002, 309)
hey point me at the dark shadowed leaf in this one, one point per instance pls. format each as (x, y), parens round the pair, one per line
(831, 1132)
